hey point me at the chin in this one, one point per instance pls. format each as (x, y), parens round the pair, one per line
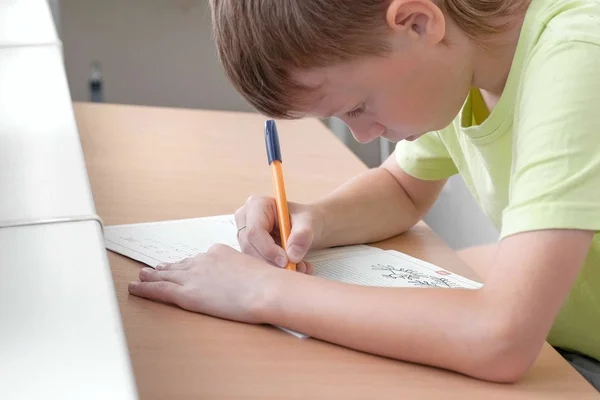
(398, 137)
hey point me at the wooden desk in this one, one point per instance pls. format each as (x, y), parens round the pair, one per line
(148, 164)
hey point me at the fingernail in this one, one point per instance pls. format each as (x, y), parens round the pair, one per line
(161, 266)
(133, 284)
(281, 261)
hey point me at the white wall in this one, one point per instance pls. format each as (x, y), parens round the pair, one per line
(153, 52)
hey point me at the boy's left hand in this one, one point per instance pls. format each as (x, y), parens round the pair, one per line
(222, 282)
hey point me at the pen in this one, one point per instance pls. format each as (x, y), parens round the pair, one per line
(274, 158)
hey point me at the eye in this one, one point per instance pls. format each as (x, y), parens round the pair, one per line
(357, 111)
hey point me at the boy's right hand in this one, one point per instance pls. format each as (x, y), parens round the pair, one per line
(258, 232)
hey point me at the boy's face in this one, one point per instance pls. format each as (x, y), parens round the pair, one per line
(400, 96)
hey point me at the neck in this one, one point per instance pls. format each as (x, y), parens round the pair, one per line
(492, 62)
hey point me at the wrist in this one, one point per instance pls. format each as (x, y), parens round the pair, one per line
(319, 224)
(266, 295)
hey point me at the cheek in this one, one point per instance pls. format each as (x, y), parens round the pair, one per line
(404, 112)
(443, 93)
(404, 101)
(423, 104)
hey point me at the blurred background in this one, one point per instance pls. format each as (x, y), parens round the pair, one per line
(160, 53)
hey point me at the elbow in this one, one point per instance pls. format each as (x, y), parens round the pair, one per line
(503, 356)
(503, 369)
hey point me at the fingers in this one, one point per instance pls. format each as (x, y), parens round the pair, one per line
(310, 268)
(257, 205)
(299, 242)
(167, 292)
(152, 275)
(301, 267)
(259, 216)
(264, 245)
(305, 267)
(240, 215)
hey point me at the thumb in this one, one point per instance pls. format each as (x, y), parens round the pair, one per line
(299, 243)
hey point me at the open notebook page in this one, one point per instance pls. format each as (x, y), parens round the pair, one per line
(170, 241)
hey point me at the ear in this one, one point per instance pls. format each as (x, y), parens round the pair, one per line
(421, 19)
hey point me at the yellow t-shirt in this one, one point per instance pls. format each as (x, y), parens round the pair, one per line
(534, 162)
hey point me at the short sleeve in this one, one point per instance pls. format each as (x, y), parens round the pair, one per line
(426, 158)
(555, 176)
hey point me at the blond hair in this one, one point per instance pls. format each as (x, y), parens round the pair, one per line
(261, 42)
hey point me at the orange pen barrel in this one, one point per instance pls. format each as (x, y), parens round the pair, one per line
(274, 158)
(283, 214)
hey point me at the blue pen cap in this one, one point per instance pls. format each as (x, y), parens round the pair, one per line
(272, 142)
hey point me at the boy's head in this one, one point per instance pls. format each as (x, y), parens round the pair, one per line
(392, 68)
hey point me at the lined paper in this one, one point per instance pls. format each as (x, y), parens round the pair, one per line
(389, 269)
(170, 241)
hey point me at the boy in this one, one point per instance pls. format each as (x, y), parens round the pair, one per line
(526, 141)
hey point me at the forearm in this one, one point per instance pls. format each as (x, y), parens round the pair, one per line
(368, 208)
(439, 327)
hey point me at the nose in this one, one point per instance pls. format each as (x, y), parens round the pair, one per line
(367, 132)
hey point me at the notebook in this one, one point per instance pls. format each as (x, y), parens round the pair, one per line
(153, 243)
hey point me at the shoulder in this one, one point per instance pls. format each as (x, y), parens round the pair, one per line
(572, 21)
(562, 29)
